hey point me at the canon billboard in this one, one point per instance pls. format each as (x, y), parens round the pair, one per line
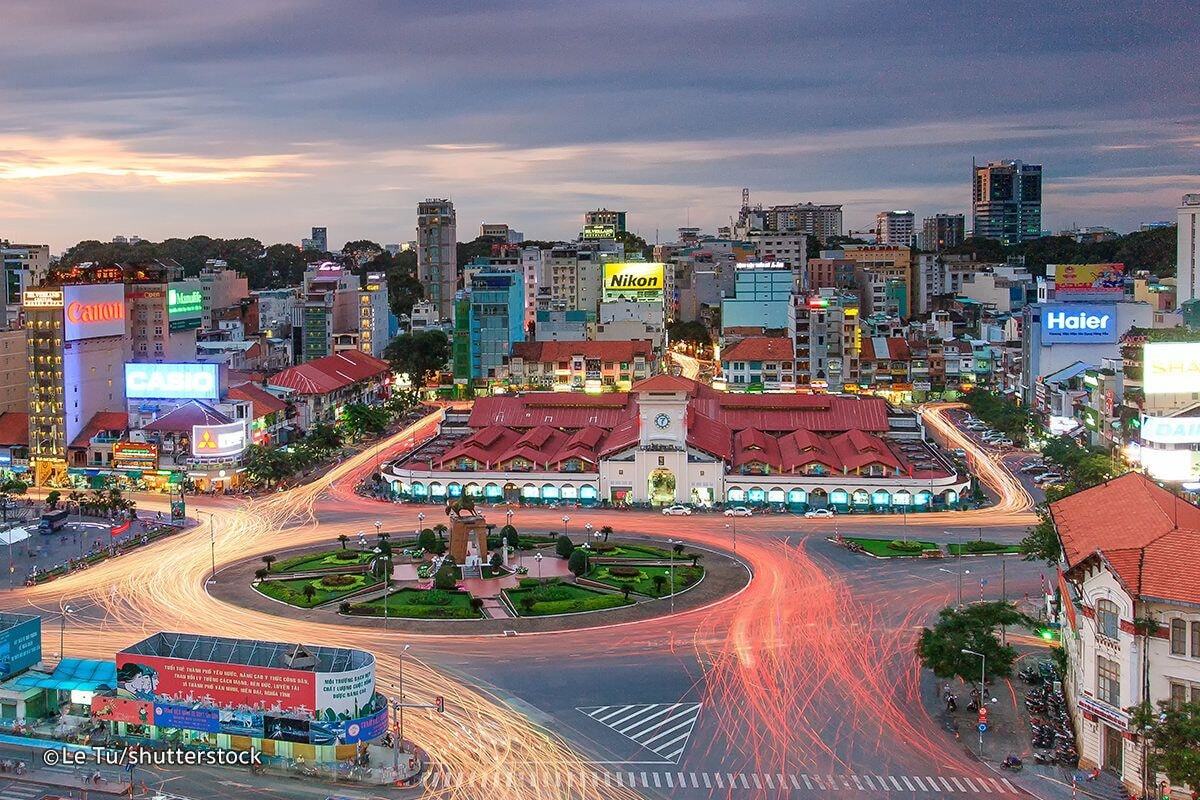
(1079, 323)
(94, 310)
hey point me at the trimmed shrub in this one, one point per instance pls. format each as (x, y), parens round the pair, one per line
(983, 547)
(346, 555)
(906, 545)
(528, 583)
(624, 572)
(447, 577)
(344, 607)
(564, 546)
(578, 562)
(604, 547)
(338, 581)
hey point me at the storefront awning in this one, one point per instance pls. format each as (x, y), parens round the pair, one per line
(71, 674)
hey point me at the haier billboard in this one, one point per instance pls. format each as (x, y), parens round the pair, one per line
(1079, 323)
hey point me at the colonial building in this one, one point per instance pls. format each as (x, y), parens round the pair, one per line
(673, 440)
(1130, 610)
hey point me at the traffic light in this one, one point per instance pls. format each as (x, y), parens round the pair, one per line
(1047, 634)
(439, 703)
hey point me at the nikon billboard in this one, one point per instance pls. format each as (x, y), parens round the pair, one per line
(634, 280)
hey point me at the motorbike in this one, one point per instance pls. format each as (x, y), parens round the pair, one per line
(1012, 763)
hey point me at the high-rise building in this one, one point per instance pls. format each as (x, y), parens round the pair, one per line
(821, 221)
(165, 312)
(220, 287)
(437, 254)
(942, 231)
(25, 265)
(331, 306)
(1187, 262)
(827, 339)
(489, 319)
(885, 278)
(602, 217)
(14, 371)
(1007, 201)
(318, 242)
(895, 228)
(373, 315)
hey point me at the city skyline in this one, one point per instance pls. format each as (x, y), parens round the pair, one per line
(173, 121)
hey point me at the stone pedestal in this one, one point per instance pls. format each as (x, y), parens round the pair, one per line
(464, 531)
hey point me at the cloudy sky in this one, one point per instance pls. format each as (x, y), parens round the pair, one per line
(236, 117)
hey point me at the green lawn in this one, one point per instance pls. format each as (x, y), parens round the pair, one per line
(563, 598)
(980, 548)
(883, 547)
(421, 604)
(291, 590)
(324, 559)
(638, 551)
(685, 576)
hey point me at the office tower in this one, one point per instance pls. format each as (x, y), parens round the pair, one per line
(942, 231)
(1007, 201)
(1188, 257)
(437, 254)
(895, 228)
(25, 265)
(602, 217)
(318, 242)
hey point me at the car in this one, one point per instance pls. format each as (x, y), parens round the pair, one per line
(1031, 469)
(677, 511)
(1047, 477)
(737, 511)
(958, 451)
(819, 512)
(1003, 440)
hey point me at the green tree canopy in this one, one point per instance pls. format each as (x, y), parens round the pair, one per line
(971, 628)
(419, 354)
(1174, 735)
(1041, 541)
(694, 332)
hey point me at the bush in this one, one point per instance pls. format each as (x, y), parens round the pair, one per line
(259, 574)
(982, 547)
(604, 547)
(447, 577)
(344, 607)
(510, 533)
(338, 581)
(528, 583)
(578, 562)
(432, 597)
(906, 545)
(427, 540)
(346, 555)
(564, 546)
(624, 572)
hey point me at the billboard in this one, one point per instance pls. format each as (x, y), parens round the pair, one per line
(42, 298)
(185, 304)
(135, 455)
(1171, 367)
(364, 729)
(1171, 430)
(1088, 281)
(345, 693)
(172, 382)
(122, 709)
(219, 440)
(93, 310)
(599, 232)
(188, 716)
(1079, 323)
(162, 679)
(20, 644)
(287, 729)
(634, 280)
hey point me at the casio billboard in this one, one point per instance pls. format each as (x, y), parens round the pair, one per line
(1079, 323)
(172, 382)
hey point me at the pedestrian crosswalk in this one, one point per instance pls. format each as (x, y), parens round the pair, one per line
(777, 783)
(21, 791)
(661, 728)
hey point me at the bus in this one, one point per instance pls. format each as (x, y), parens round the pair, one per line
(52, 521)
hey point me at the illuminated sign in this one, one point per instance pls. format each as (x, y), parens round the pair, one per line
(1088, 281)
(172, 381)
(135, 454)
(93, 311)
(1171, 430)
(1079, 323)
(185, 304)
(634, 280)
(218, 440)
(42, 299)
(1171, 367)
(599, 231)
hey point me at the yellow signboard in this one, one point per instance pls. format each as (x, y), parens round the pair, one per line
(1171, 368)
(1089, 279)
(635, 280)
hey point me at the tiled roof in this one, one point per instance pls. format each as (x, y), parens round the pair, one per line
(325, 375)
(666, 383)
(181, 418)
(884, 348)
(709, 435)
(784, 413)
(1147, 535)
(539, 352)
(101, 421)
(567, 410)
(261, 401)
(760, 348)
(14, 428)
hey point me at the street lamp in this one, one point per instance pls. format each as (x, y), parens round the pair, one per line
(673, 542)
(732, 526)
(212, 540)
(960, 574)
(62, 631)
(538, 559)
(508, 515)
(378, 526)
(387, 581)
(420, 522)
(982, 690)
(587, 530)
(403, 650)
(565, 520)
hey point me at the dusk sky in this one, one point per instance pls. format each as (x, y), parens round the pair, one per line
(266, 118)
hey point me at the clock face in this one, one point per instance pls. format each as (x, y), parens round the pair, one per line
(663, 421)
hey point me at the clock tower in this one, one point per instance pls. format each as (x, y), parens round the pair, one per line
(662, 411)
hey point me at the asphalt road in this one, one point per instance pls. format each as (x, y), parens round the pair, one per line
(805, 684)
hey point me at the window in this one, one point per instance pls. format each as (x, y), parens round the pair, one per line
(1178, 637)
(1178, 696)
(1196, 639)
(1107, 619)
(1108, 682)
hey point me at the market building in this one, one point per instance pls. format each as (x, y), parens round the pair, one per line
(673, 440)
(1129, 597)
(321, 388)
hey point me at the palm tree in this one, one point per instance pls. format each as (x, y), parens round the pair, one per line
(527, 601)
(343, 538)
(309, 591)
(607, 531)
(260, 574)
(268, 560)
(440, 530)
(678, 548)
(626, 588)
(659, 580)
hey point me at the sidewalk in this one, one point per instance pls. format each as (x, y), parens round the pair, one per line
(64, 778)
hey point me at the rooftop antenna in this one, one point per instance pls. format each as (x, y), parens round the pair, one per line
(746, 197)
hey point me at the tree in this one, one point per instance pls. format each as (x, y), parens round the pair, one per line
(607, 531)
(259, 574)
(344, 540)
(1041, 541)
(268, 560)
(678, 549)
(8, 488)
(510, 533)
(527, 602)
(578, 562)
(691, 332)
(626, 588)
(309, 592)
(426, 540)
(564, 546)
(497, 560)
(659, 580)
(419, 354)
(359, 420)
(446, 577)
(52, 498)
(266, 465)
(971, 628)
(324, 437)
(1174, 734)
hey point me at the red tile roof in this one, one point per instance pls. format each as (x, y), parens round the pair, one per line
(545, 352)
(784, 413)
(884, 348)
(101, 421)
(14, 428)
(709, 435)
(181, 418)
(760, 348)
(567, 410)
(666, 383)
(325, 375)
(261, 401)
(1146, 535)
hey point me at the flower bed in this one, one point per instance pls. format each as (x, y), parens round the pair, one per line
(886, 548)
(561, 598)
(643, 581)
(421, 604)
(291, 590)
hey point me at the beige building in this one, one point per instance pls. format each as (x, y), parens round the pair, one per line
(14, 371)
(880, 264)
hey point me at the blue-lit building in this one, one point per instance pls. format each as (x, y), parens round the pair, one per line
(495, 320)
(762, 298)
